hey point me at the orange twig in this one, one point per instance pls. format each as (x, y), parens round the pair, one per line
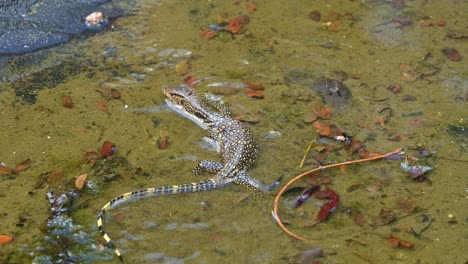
(280, 193)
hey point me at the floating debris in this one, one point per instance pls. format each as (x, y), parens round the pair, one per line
(272, 134)
(305, 195)
(96, 21)
(328, 207)
(415, 171)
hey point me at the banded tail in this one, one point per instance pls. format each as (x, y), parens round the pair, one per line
(158, 191)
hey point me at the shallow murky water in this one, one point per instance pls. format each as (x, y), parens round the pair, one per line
(369, 44)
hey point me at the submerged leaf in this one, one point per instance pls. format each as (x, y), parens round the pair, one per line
(23, 165)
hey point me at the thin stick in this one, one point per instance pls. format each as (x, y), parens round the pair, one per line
(305, 154)
(280, 193)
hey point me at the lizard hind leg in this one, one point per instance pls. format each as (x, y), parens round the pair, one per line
(207, 165)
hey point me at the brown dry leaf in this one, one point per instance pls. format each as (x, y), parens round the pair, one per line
(254, 94)
(4, 239)
(406, 244)
(405, 68)
(322, 128)
(393, 241)
(54, 176)
(354, 146)
(4, 170)
(102, 106)
(325, 113)
(406, 206)
(80, 181)
(67, 101)
(23, 165)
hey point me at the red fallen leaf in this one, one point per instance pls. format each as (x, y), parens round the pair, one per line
(23, 165)
(393, 241)
(254, 94)
(208, 33)
(441, 23)
(191, 81)
(234, 25)
(322, 128)
(4, 239)
(426, 23)
(102, 106)
(397, 242)
(257, 87)
(328, 207)
(325, 112)
(327, 130)
(4, 170)
(108, 148)
(406, 244)
(404, 68)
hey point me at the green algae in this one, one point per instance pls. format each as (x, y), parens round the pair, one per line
(284, 45)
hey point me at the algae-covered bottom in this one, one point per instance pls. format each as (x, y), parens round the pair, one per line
(114, 80)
